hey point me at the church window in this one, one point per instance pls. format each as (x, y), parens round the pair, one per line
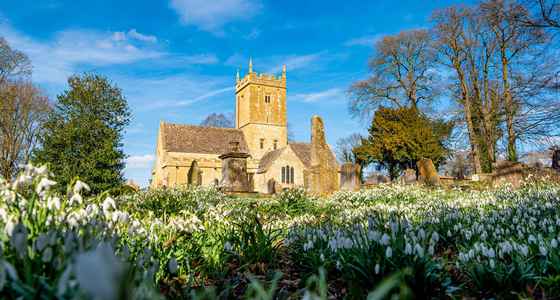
(262, 143)
(288, 174)
(275, 144)
(267, 99)
(291, 175)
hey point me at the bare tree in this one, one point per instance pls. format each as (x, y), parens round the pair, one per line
(345, 148)
(402, 74)
(218, 120)
(451, 39)
(544, 14)
(24, 110)
(13, 63)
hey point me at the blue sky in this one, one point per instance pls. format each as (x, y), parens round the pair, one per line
(176, 60)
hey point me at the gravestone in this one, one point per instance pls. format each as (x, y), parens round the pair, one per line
(234, 170)
(427, 173)
(324, 169)
(350, 177)
(194, 177)
(556, 159)
(271, 186)
(408, 176)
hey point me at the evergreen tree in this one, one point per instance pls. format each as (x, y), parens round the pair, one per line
(84, 134)
(399, 137)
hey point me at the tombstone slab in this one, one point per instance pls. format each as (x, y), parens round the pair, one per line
(194, 177)
(556, 159)
(350, 177)
(408, 176)
(427, 172)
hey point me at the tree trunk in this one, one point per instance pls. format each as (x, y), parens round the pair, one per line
(509, 107)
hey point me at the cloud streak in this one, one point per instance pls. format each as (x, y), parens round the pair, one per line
(213, 15)
(326, 95)
(367, 41)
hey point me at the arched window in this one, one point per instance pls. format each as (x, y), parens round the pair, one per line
(291, 175)
(288, 174)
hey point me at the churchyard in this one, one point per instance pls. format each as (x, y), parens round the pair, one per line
(197, 242)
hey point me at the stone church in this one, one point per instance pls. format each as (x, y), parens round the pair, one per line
(273, 162)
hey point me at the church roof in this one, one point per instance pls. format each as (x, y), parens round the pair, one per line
(302, 151)
(200, 139)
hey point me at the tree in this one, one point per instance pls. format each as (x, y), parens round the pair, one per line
(13, 63)
(545, 14)
(345, 146)
(402, 74)
(399, 137)
(23, 109)
(84, 134)
(218, 120)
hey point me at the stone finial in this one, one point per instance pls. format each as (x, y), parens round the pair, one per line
(284, 71)
(234, 146)
(250, 65)
(237, 76)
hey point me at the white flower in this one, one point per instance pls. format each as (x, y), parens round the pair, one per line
(172, 266)
(44, 185)
(228, 246)
(99, 272)
(388, 252)
(77, 198)
(79, 186)
(19, 239)
(41, 242)
(53, 203)
(47, 255)
(376, 269)
(385, 239)
(108, 204)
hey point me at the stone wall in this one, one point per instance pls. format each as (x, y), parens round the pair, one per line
(287, 158)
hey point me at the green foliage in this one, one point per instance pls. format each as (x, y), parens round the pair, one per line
(83, 134)
(399, 137)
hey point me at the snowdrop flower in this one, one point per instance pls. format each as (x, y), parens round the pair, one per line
(108, 204)
(76, 198)
(47, 255)
(385, 239)
(173, 266)
(554, 243)
(388, 252)
(43, 186)
(53, 203)
(41, 242)
(19, 239)
(99, 272)
(79, 186)
(376, 269)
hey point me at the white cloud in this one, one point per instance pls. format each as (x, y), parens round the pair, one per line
(133, 34)
(139, 161)
(273, 64)
(368, 40)
(55, 60)
(326, 95)
(212, 15)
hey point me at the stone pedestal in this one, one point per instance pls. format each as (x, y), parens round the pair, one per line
(350, 177)
(427, 172)
(556, 159)
(234, 171)
(194, 177)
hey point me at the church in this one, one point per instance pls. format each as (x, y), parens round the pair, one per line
(274, 163)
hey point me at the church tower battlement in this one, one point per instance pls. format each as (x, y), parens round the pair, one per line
(260, 110)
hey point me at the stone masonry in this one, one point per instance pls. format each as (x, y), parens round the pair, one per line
(324, 170)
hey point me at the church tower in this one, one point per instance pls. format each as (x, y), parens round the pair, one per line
(260, 110)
